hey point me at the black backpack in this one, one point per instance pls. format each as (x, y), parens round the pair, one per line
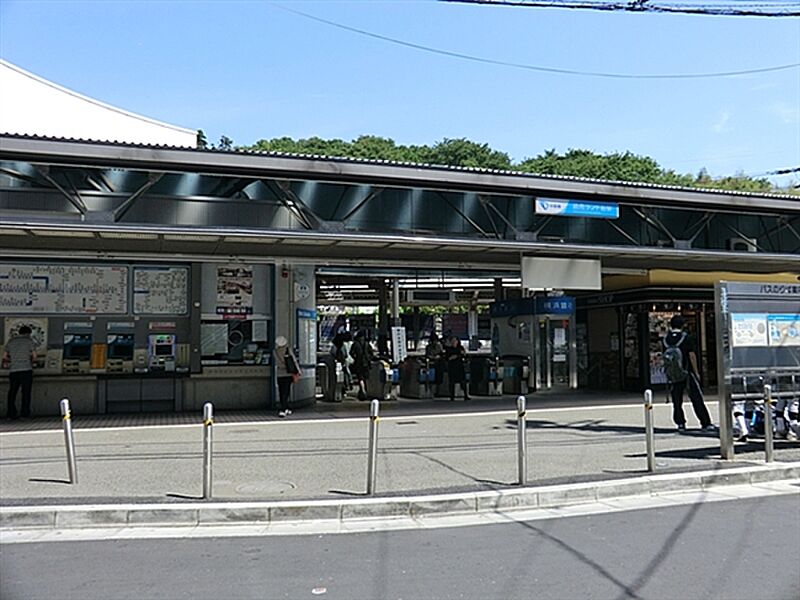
(672, 360)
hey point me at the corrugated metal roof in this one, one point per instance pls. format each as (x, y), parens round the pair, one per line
(407, 165)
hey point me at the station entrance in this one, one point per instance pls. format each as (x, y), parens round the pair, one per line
(160, 278)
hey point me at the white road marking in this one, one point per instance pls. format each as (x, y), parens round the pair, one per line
(326, 527)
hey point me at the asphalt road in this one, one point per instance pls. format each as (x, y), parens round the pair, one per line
(736, 549)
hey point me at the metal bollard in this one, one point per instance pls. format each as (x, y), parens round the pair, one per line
(372, 458)
(208, 423)
(649, 433)
(768, 445)
(522, 441)
(69, 439)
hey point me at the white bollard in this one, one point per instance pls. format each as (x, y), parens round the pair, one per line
(522, 441)
(69, 439)
(208, 424)
(372, 457)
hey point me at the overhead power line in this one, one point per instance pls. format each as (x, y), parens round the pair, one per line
(734, 9)
(529, 67)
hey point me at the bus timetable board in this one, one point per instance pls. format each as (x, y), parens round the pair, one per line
(758, 331)
(63, 289)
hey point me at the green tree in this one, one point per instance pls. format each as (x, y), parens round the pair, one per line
(202, 141)
(461, 152)
(225, 143)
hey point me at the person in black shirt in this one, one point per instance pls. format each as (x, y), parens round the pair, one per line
(688, 347)
(361, 353)
(454, 357)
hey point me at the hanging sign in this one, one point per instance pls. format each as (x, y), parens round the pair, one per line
(577, 208)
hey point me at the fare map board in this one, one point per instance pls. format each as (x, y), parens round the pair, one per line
(63, 289)
(160, 290)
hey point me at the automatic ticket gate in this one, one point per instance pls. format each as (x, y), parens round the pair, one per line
(417, 378)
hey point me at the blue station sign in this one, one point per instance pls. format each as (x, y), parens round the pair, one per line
(555, 305)
(577, 208)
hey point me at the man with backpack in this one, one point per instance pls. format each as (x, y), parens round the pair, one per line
(680, 367)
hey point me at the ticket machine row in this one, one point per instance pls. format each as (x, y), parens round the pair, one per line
(119, 353)
(116, 352)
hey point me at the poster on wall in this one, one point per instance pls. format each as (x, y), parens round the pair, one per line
(784, 330)
(38, 331)
(63, 289)
(235, 290)
(749, 329)
(659, 327)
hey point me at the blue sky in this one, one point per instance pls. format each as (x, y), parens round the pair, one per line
(250, 70)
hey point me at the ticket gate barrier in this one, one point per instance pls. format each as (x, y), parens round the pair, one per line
(483, 376)
(516, 374)
(330, 378)
(417, 378)
(379, 381)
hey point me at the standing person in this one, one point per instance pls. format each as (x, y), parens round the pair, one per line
(19, 355)
(340, 350)
(433, 352)
(454, 356)
(287, 370)
(361, 353)
(681, 368)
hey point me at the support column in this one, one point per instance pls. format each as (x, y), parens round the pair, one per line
(396, 302)
(499, 291)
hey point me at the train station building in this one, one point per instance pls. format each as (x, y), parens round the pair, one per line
(156, 276)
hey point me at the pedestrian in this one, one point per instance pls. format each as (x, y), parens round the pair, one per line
(19, 356)
(287, 370)
(682, 371)
(340, 349)
(454, 357)
(361, 353)
(434, 352)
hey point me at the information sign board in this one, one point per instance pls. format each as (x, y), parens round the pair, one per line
(63, 289)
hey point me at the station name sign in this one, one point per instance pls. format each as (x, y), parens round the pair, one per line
(577, 208)
(773, 290)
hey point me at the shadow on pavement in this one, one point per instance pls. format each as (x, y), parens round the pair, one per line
(184, 496)
(46, 480)
(594, 425)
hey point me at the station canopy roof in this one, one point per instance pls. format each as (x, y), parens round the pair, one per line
(111, 200)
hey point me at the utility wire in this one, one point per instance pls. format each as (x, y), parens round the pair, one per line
(745, 9)
(528, 67)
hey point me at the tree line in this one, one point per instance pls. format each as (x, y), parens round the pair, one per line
(462, 152)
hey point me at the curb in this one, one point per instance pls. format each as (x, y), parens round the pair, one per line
(264, 513)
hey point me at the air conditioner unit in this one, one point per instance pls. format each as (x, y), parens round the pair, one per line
(742, 244)
(430, 297)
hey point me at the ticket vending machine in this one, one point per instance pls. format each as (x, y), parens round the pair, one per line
(76, 353)
(119, 353)
(161, 351)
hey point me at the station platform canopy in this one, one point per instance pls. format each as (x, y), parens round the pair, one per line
(113, 200)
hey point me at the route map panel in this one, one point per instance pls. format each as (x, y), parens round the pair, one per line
(160, 290)
(63, 289)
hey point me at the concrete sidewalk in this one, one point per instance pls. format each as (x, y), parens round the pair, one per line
(319, 458)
